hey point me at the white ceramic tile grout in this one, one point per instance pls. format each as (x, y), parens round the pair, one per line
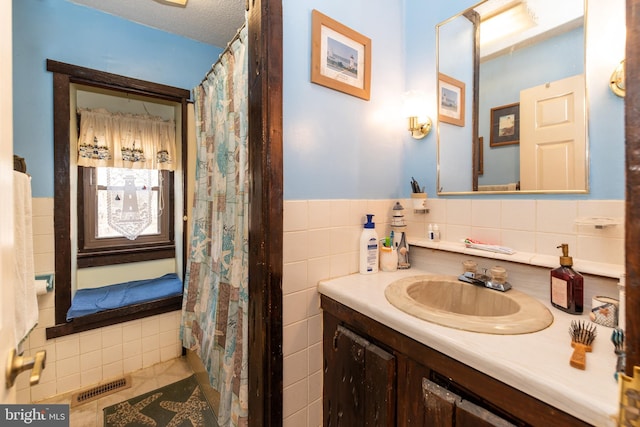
(300, 270)
(533, 224)
(295, 216)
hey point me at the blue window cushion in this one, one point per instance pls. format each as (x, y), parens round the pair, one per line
(94, 300)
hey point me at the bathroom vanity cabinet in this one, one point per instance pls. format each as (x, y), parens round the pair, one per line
(376, 376)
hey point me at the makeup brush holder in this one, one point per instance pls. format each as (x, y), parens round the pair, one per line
(388, 259)
(419, 201)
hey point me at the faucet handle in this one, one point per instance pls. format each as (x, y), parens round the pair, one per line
(499, 279)
(498, 274)
(469, 266)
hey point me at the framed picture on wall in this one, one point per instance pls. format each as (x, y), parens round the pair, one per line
(505, 125)
(340, 57)
(450, 100)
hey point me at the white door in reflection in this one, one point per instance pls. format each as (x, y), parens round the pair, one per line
(552, 136)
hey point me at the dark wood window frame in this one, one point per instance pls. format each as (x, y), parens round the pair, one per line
(93, 252)
(64, 75)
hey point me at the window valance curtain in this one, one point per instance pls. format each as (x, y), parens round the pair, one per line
(124, 140)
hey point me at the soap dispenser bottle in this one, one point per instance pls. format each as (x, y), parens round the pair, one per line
(369, 247)
(567, 285)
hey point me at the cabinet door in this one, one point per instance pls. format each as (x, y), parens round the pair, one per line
(444, 408)
(359, 380)
(471, 415)
(439, 404)
(380, 387)
(405, 403)
(411, 404)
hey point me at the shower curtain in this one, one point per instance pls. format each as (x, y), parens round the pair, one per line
(215, 303)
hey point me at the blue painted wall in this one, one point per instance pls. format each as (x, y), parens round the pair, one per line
(338, 146)
(66, 32)
(335, 145)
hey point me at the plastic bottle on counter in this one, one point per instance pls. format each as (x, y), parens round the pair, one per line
(436, 233)
(369, 255)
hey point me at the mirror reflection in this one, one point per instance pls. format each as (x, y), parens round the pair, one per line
(520, 66)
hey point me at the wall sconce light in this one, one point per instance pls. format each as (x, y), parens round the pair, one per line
(419, 130)
(616, 82)
(415, 107)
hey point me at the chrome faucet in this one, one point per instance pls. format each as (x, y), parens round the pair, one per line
(482, 279)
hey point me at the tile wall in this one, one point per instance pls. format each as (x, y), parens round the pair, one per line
(535, 226)
(77, 361)
(321, 240)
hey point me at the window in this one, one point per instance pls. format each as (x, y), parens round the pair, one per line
(123, 212)
(69, 211)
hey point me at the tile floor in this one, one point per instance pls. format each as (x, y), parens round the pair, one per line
(91, 415)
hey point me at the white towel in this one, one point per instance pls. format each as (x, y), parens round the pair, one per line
(26, 300)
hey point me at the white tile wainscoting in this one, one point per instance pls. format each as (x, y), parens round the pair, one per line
(80, 360)
(321, 241)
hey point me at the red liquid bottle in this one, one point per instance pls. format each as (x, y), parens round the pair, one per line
(567, 286)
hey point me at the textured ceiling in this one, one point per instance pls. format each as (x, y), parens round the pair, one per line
(210, 21)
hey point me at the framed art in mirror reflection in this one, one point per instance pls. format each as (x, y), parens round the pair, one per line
(505, 125)
(450, 100)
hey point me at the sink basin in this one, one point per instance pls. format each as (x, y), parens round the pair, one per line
(449, 302)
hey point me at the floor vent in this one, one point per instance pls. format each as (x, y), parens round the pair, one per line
(101, 390)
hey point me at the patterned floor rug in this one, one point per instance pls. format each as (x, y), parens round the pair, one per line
(179, 404)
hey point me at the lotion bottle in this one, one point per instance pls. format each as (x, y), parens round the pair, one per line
(567, 285)
(369, 255)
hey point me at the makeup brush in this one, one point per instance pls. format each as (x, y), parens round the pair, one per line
(582, 336)
(617, 337)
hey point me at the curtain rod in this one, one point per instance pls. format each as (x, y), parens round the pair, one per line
(226, 49)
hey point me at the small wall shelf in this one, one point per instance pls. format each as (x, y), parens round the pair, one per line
(540, 260)
(598, 222)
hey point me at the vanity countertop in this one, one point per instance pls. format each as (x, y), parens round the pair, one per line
(535, 363)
